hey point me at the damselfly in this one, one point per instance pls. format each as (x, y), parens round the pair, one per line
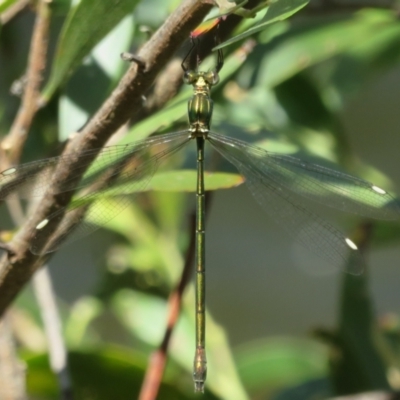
(280, 183)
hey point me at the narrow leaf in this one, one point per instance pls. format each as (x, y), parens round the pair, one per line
(86, 25)
(185, 181)
(304, 46)
(358, 341)
(278, 11)
(170, 181)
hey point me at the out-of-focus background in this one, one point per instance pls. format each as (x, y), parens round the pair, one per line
(282, 322)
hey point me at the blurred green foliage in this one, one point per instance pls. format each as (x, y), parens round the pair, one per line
(287, 95)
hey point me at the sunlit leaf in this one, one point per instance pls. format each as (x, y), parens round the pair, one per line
(185, 181)
(4, 4)
(102, 69)
(85, 26)
(82, 314)
(170, 181)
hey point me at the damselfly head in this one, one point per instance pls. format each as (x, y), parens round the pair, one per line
(201, 79)
(200, 48)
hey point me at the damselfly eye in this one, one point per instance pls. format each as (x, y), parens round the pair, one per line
(189, 77)
(212, 77)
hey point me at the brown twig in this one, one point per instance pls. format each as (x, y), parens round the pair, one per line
(165, 88)
(155, 369)
(113, 113)
(13, 143)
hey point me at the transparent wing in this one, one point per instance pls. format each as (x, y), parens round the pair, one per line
(270, 179)
(34, 178)
(324, 185)
(126, 168)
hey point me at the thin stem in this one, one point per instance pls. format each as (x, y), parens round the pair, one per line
(166, 87)
(45, 297)
(52, 324)
(13, 143)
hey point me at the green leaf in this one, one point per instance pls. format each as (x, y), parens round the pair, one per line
(82, 313)
(386, 234)
(60, 8)
(168, 208)
(268, 364)
(170, 181)
(185, 181)
(365, 60)
(277, 11)
(227, 6)
(312, 389)
(4, 4)
(149, 251)
(102, 68)
(103, 374)
(144, 316)
(308, 44)
(357, 343)
(283, 9)
(86, 25)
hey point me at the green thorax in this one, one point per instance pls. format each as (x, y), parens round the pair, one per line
(200, 106)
